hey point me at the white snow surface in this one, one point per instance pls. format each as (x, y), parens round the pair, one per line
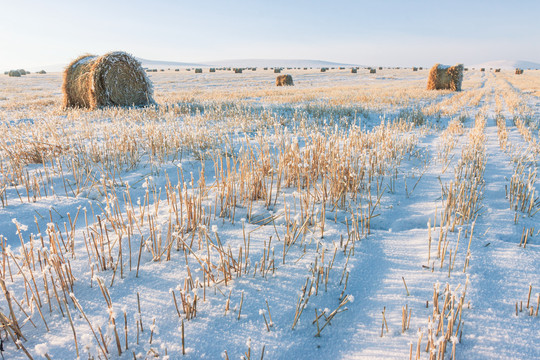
(233, 319)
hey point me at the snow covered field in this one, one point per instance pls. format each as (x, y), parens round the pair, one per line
(352, 216)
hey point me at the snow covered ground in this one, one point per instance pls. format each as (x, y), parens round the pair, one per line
(352, 216)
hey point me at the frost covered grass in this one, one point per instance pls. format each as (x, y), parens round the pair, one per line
(237, 219)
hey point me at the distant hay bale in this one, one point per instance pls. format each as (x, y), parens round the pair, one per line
(323, 69)
(380, 68)
(442, 77)
(198, 71)
(277, 71)
(265, 68)
(354, 70)
(420, 68)
(284, 80)
(519, 71)
(114, 79)
(414, 69)
(22, 71)
(212, 69)
(176, 69)
(372, 71)
(497, 70)
(6, 72)
(14, 73)
(466, 69)
(41, 72)
(482, 69)
(237, 71)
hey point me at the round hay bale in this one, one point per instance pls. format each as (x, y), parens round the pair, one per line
(277, 71)
(14, 73)
(114, 79)
(6, 72)
(237, 71)
(284, 80)
(212, 69)
(414, 69)
(444, 77)
(22, 71)
(372, 71)
(519, 71)
(198, 71)
(41, 72)
(497, 70)
(482, 69)
(323, 69)
(354, 71)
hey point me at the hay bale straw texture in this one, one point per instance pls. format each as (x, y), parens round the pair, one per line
(443, 77)
(114, 79)
(284, 80)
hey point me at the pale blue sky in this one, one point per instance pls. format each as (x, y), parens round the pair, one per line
(40, 33)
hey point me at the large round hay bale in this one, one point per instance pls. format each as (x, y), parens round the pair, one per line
(277, 71)
(237, 71)
(198, 71)
(372, 71)
(14, 73)
(41, 72)
(114, 79)
(354, 70)
(444, 77)
(284, 80)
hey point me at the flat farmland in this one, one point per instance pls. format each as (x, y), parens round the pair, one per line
(349, 216)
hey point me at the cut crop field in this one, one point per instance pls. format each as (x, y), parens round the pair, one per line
(350, 216)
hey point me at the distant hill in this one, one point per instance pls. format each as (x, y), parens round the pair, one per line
(507, 64)
(275, 63)
(167, 64)
(245, 63)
